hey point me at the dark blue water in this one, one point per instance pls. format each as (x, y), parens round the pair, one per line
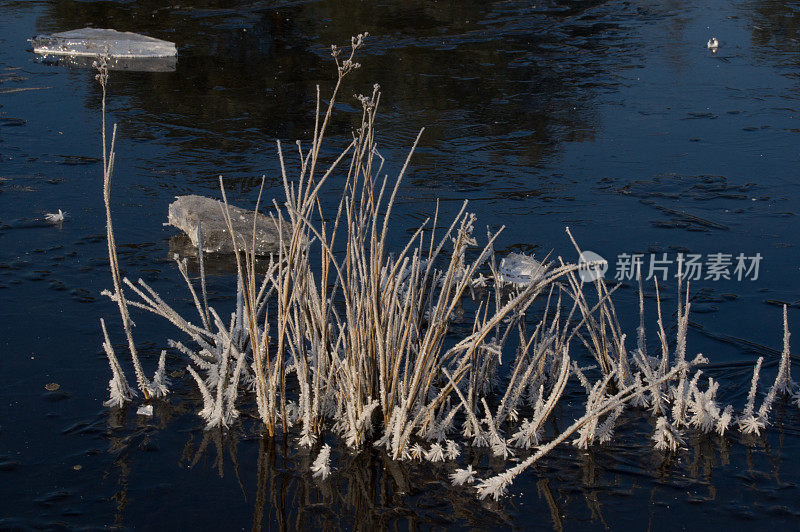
(612, 118)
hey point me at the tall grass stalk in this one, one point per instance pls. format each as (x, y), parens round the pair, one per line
(119, 392)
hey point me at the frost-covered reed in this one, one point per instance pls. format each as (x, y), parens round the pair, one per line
(348, 332)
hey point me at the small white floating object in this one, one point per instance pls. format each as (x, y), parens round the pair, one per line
(55, 217)
(91, 42)
(713, 44)
(145, 410)
(520, 269)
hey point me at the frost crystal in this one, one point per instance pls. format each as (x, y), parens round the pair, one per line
(667, 438)
(452, 450)
(724, 420)
(496, 486)
(322, 465)
(463, 476)
(120, 391)
(436, 453)
(417, 452)
(159, 386)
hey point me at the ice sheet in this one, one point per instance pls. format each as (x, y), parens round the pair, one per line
(91, 42)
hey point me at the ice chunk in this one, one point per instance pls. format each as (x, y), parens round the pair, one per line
(520, 269)
(186, 211)
(134, 64)
(145, 410)
(92, 42)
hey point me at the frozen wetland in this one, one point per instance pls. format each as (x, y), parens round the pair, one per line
(611, 118)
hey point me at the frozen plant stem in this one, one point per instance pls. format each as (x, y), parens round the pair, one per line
(108, 170)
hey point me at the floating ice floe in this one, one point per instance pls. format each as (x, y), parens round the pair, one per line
(520, 269)
(187, 212)
(145, 410)
(125, 50)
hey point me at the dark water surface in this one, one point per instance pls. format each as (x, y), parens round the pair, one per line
(610, 117)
